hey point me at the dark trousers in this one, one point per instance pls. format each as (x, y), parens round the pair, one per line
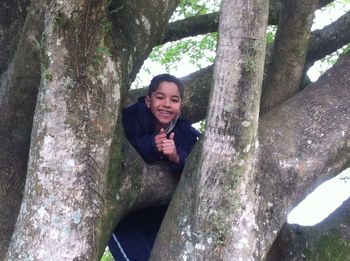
(135, 234)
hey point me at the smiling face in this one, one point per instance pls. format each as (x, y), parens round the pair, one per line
(164, 103)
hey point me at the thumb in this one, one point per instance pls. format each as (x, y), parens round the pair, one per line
(172, 136)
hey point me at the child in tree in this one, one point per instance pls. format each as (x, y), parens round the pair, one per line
(153, 127)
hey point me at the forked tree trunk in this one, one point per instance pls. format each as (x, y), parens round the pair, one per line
(76, 111)
(72, 203)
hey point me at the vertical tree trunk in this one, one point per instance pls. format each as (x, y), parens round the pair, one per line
(18, 91)
(212, 214)
(74, 121)
(286, 68)
(71, 199)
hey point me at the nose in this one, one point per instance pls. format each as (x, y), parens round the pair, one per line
(167, 103)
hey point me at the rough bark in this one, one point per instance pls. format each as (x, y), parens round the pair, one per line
(18, 92)
(74, 119)
(211, 202)
(298, 153)
(64, 210)
(122, 188)
(286, 67)
(328, 240)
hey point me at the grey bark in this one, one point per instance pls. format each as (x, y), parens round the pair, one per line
(17, 102)
(63, 210)
(286, 66)
(123, 190)
(72, 131)
(298, 153)
(211, 202)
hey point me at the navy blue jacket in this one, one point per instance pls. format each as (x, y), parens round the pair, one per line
(139, 127)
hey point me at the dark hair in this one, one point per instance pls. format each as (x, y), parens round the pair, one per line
(165, 78)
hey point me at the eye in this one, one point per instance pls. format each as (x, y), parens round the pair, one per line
(175, 100)
(159, 97)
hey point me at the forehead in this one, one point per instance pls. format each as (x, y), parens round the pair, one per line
(168, 88)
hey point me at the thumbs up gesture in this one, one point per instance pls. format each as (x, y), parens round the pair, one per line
(167, 146)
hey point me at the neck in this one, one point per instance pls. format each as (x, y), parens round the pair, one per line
(159, 126)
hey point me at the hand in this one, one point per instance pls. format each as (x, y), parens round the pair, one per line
(159, 138)
(169, 149)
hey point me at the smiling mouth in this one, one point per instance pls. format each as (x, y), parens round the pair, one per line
(165, 112)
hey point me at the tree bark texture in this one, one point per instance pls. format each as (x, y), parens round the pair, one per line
(215, 197)
(81, 181)
(18, 93)
(286, 67)
(64, 208)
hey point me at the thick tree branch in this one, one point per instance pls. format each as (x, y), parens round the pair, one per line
(208, 23)
(328, 39)
(210, 204)
(322, 42)
(286, 66)
(18, 93)
(87, 126)
(330, 239)
(133, 31)
(12, 16)
(300, 152)
(192, 26)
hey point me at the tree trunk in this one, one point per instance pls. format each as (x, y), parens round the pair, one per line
(286, 67)
(64, 209)
(81, 180)
(216, 195)
(19, 83)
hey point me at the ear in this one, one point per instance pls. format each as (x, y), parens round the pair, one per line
(148, 101)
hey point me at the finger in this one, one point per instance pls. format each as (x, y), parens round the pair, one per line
(172, 136)
(161, 131)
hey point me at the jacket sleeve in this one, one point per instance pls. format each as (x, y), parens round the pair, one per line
(142, 141)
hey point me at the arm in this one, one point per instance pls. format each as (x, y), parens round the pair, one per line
(139, 134)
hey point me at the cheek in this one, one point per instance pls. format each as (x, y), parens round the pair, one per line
(178, 108)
